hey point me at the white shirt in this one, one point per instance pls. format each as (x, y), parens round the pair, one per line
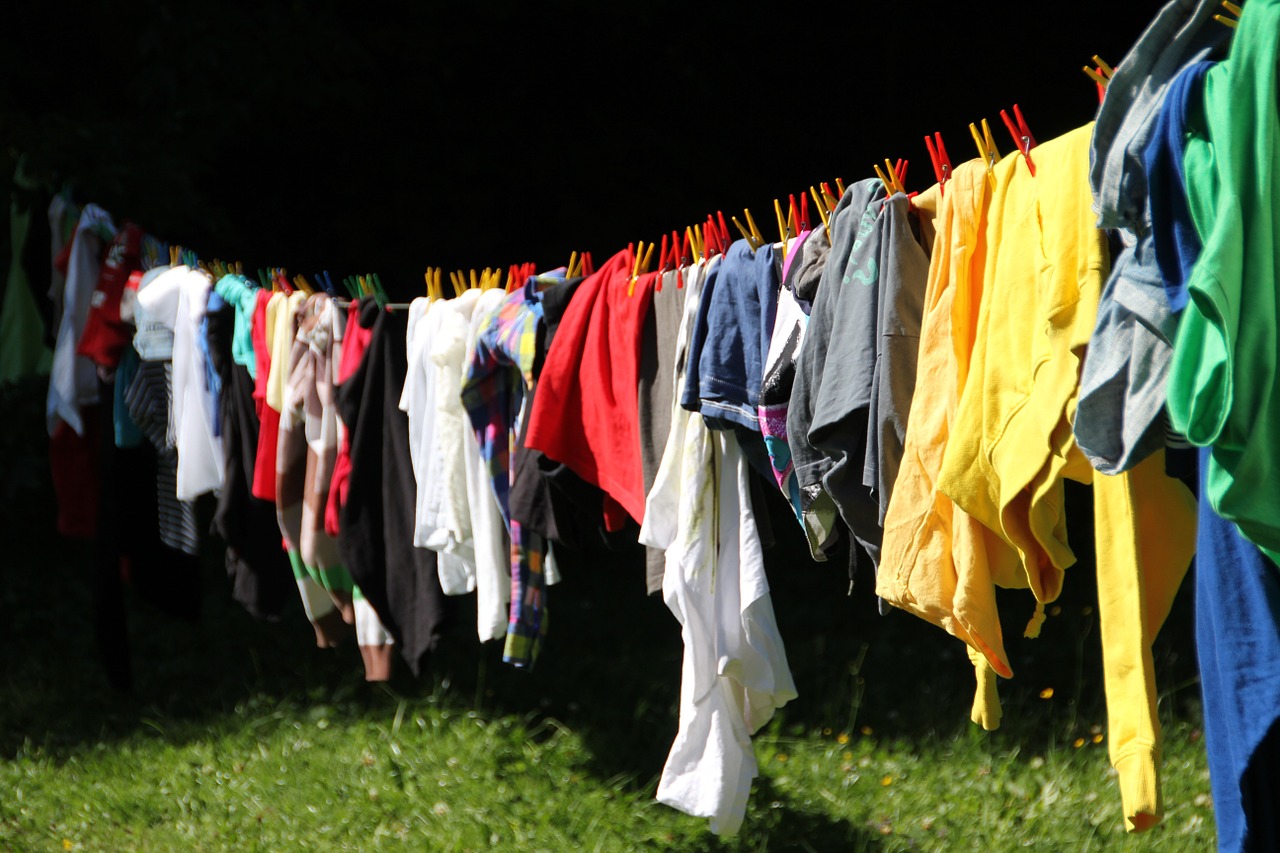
(200, 457)
(489, 532)
(735, 672)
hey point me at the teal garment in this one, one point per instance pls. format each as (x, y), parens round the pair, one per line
(1224, 389)
(241, 294)
(128, 434)
(22, 348)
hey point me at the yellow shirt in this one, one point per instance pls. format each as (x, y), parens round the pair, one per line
(1011, 447)
(936, 560)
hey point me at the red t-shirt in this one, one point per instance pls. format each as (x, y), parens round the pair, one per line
(105, 335)
(264, 467)
(355, 340)
(586, 412)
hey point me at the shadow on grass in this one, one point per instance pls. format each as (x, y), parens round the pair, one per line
(610, 669)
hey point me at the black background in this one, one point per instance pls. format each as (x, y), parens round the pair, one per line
(363, 137)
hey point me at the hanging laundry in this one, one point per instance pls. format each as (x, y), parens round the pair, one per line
(1011, 448)
(421, 402)
(307, 448)
(805, 261)
(1223, 386)
(497, 394)
(271, 357)
(1237, 588)
(259, 571)
(400, 582)
(657, 366)
(810, 462)
(23, 325)
(1120, 418)
(586, 414)
(937, 561)
(735, 673)
(444, 520)
(354, 340)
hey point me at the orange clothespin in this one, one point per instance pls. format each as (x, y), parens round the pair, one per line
(941, 162)
(1021, 134)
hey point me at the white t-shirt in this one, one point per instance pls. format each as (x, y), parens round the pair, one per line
(200, 457)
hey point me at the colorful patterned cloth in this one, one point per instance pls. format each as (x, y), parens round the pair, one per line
(499, 381)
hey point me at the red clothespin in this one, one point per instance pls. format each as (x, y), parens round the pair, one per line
(900, 169)
(1021, 134)
(941, 162)
(724, 231)
(662, 262)
(804, 211)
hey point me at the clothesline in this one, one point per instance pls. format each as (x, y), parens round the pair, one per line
(920, 375)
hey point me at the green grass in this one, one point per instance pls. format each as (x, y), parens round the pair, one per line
(241, 735)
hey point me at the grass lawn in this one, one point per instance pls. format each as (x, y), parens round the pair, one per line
(242, 735)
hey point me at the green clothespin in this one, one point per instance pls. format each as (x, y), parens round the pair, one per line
(262, 279)
(378, 292)
(350, 288)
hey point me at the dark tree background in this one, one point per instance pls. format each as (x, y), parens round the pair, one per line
(361, 137)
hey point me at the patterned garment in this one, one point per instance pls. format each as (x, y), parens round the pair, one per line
(498, 384)
(147, 399)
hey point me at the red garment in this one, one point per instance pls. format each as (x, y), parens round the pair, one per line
(262, 357)
(264, 465)
(105, 335)
(586, 412)
(73, 463)
(355, 340)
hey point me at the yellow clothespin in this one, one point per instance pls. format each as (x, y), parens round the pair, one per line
(889, 178)
(1233, 9)
(755, 229)
(300, 281)
(840, 187)
(573, 265)
(1101, 74)
(822, 211)
(784, 229)
(987, 151)
(431, 294)
(635, 268)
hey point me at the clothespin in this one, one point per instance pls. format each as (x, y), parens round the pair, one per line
(822, 210)
(1230, 22)
(801, 212)
(829, 198)
(573, 265)
(302, 284)
(941, 162)
(889, 177)
(987, 151)
(1021, 134)
(784, 228)
(588, 265)
(691, 240)
(752, 232)
(1100, 75)
(662, 261)
(840, 187)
